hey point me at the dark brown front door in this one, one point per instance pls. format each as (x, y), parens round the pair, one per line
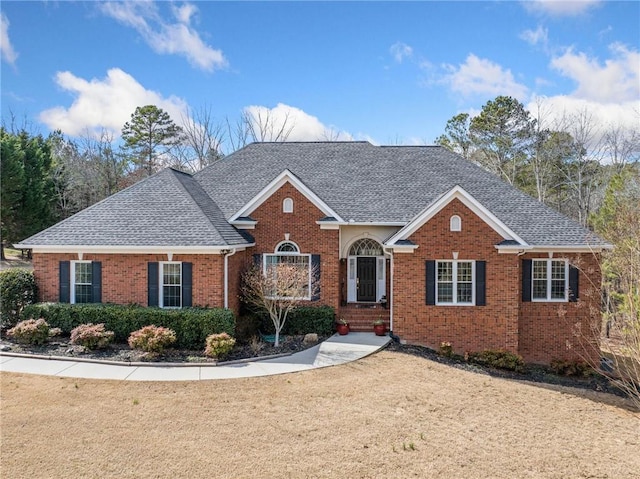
(366, 279)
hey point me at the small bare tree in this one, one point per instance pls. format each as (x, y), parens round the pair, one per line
(278, 290)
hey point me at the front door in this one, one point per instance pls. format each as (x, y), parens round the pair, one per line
(366, 279)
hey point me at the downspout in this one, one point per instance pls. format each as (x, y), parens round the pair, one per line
(226, 275)
(391, 335)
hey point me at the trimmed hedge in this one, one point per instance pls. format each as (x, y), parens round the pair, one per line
(192, 325)
(305, 319)
(17, 289)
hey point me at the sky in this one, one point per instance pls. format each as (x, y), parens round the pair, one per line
(385, 72)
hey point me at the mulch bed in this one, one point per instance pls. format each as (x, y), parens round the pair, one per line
(122, 352)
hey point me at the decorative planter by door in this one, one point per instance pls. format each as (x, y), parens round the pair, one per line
(342, 329)
(379, 329)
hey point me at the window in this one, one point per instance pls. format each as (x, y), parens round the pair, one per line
(288, 253)
(366, 247)
(455, 282)
(549, 279)
(171, 285)
(455, 223)
(81, 282)
(287, 205)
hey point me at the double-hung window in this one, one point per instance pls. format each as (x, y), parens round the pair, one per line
(81, 282)
(455, 282)
(550, 280)
(171, 285)
(289, 271)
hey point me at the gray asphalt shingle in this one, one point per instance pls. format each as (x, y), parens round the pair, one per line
(359, 181)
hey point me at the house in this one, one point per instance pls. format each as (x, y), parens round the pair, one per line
(439, 248)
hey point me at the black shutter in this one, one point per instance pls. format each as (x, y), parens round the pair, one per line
(315, 280)
(65, 282)
(481, 296)
(257, 260)
(526, 280)
(152, 284)
(431, 282)
(574, 292)
(186, 284)
(96, 282)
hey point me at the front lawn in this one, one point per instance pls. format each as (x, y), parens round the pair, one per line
(391, 415)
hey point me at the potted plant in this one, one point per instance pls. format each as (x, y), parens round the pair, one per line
(342, 327)
(379, 327)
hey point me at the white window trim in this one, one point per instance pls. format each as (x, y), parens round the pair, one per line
(161, 284)
(549, 263)
(455, 223)
(289, 253)
(72, 293)
(287, 205)
(455, 282)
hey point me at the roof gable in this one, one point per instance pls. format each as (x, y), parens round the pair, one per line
(457, 192)
(285, 177)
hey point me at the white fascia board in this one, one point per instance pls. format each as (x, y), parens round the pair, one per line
(271, 188)
(552, 249)
(328, 225)
(375, 223)
(244, 225)
(87, 249)
(403, 248)
(457, 192)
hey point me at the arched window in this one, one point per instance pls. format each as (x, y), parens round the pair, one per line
(287, 205)
(287, 247)
(455, 223)
(366, 247)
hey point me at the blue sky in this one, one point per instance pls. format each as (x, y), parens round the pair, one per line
(384, 72)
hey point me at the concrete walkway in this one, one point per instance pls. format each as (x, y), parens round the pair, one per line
(335, 350)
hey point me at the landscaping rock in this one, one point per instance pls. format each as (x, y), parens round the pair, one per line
(311, 338)
(4, 347)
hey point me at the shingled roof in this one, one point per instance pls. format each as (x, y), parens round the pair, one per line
(361, 182)
(167, 209)
(385, 184)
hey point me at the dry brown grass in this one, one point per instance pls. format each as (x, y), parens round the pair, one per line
(389, 415)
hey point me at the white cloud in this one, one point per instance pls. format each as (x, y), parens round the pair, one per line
(479, 76)
(539, 36)
(8, 53)
(560, 8)
(302, 126)
(617, 80)
(400, 51)
(105, 103)
(165, 37)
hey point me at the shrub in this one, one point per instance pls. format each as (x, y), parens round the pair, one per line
(91, 336)
(191, 325)
(219, 345)
(152, 339)
(498, 359)
(305, 319)
(31, 331)
(17, 290)
(446, 349)
(570, 367)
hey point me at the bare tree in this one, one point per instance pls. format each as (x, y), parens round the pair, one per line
(202, 139)
(278, 290)
(263, 125)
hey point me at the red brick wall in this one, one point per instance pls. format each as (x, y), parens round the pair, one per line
(564, 330)
(467, 328)
(124, 276)
(303, 230)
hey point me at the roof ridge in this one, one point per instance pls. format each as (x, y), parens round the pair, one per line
(228, 232)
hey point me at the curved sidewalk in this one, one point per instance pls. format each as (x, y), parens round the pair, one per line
(335, 350)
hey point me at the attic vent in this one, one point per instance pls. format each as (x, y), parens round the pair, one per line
(287, 205)
(455, 223)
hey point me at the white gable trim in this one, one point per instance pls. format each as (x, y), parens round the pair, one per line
(285, 177)
(457, 192)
